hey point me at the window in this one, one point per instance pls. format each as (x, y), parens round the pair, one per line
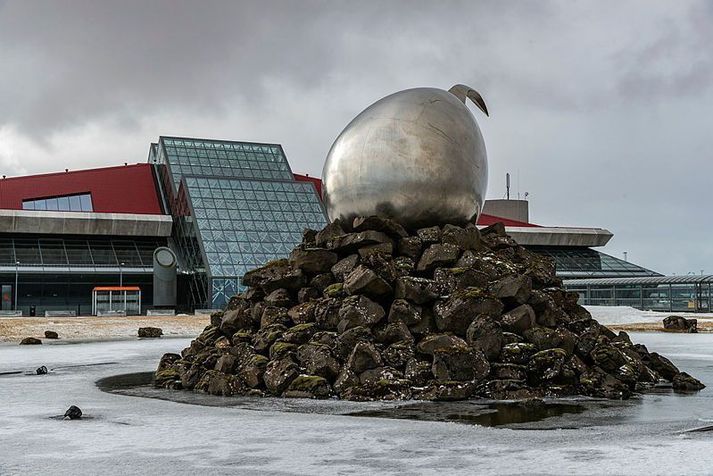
(67, 203)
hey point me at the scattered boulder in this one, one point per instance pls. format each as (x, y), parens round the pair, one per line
(73, 413)
(51, 335)
(683, 382)
(30, 341)
(150, 332)
(680, 324)
(309, 386)
(42, 370)
(369, 310)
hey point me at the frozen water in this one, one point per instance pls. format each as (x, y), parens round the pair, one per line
(628, 315)
(130, 435)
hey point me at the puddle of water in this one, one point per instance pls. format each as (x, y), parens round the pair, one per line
(125, 381)
(473, 412)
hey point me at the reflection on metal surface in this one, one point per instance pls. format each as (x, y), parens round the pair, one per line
(416, 155)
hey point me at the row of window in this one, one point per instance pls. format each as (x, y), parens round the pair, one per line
(220, 145)
(589, 262)
(212, 184)
(56, 252)
(68, 203)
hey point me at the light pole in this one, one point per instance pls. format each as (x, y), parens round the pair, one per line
(121, 274)
(17, 264)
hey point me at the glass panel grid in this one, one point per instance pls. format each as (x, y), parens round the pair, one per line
(574, 262)
(251, 233)
(225, 159)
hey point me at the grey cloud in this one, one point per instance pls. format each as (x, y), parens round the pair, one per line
(599, 109)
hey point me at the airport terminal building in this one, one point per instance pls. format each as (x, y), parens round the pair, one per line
(222, 207)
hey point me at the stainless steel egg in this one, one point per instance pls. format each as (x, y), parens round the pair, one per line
(416, 156)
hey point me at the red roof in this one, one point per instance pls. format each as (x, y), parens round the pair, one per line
(487, 220)
(117, 288)
(120, 189)
(306, 178)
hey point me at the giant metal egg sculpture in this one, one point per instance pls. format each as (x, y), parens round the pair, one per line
(416, 156)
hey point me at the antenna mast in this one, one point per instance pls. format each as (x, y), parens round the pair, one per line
(507, 185)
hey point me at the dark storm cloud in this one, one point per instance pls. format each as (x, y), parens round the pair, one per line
(600, 109)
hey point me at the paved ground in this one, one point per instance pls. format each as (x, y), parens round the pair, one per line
(89, 328)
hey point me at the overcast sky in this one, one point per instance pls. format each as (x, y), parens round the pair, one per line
(600, 110)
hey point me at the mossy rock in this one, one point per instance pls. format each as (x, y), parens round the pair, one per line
(302, 327)
(334, 290)
(165, 376)
(309, 386)
(470, 293)
(279, 349)
(242, 336)
(277, 263)
(258, 360)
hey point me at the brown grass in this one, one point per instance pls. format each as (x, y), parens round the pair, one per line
(74, 328)
(703, 326)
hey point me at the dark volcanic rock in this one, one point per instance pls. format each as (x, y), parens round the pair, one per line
(457, 312)
(680, 324)
(459, 365)
(364, 357)
(150, 332)
(484, 333)
(683, 382)
(30, 341)
(279, 298)
(275, 275)
(438, 255)
(235, 320)
(73, 413)
(308, 386)
(279, 374)
(441, 343)
(466, 238)
(416, 290)
(366, 311)
(359, 311)
(313, 260)
(51, 335)
(317, 359)
(519, 319)
(411, 247)
(363, 280)
(513, 290)
(385, 225)
(345, 266)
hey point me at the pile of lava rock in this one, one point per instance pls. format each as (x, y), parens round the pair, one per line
(367, 310)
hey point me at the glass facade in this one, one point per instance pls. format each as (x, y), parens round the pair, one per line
(573, 262)
(236, 206)
(207, 158)
(78, 252)
(660, 293)
(67, 203)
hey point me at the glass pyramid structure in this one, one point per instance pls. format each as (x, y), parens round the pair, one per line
(236, 206)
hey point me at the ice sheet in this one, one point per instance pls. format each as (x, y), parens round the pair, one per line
(129, 435)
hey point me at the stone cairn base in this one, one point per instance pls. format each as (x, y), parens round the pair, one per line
(367, 310)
